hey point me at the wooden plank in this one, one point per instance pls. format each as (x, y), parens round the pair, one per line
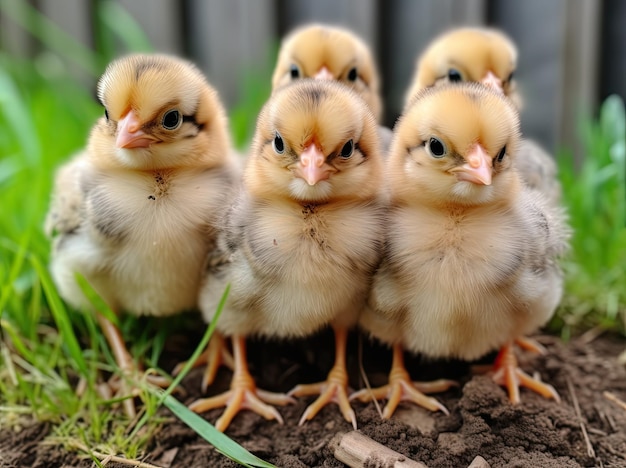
(161, 20)
(231, 40)
(537, 28)
(409, 26)
(579, 70)
(357, 15)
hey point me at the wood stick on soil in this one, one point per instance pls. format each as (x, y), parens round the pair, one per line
(358, 451)
(590, 451)
(612, 397)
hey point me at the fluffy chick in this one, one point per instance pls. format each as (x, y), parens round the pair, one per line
(332, 53)
(302, 240)
(137, 212)
(329, 52)
(471, 257)
(487, 56)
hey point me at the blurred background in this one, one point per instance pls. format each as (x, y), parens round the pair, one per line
(571, 51)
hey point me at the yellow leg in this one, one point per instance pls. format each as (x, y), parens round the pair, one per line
(334, 389)
(215, 355)
(401, 388)
(509, 375)
(126, 364)
(243, 393)
(531, 345)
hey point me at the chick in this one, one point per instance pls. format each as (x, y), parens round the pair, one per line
(302, 240)
(137, 212)
(332, 53)
(471, 255)
(487, 56)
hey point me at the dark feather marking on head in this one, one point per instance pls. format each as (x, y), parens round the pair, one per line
(145, 65)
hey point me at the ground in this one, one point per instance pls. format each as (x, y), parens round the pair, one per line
(536, 433)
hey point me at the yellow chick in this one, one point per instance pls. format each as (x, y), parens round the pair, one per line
(329, 52)
(302, 240)
(489, 57)
(470, 262)
(332, 53)
(137, 212)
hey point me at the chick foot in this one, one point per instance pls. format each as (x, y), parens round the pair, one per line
(215, 355)
(334, 389)
(126, 384)
(509, 375)
(243, 393)
(531, 345)
(402, 388)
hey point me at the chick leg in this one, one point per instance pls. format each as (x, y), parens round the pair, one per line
(509, 375)
(334, 388)
(215, 355)
(531, 345)
(243, 393)
(126, 364)
(401, 388)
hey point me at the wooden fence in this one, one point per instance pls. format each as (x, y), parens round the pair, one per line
(571, 51)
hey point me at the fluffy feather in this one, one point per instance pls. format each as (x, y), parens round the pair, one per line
(470, 265)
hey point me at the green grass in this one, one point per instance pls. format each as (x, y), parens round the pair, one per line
(595, 196)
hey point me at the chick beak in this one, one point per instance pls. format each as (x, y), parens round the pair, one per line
(129, 133)
(324, 74)
(478, 169)
(312, 166)
(492, 81)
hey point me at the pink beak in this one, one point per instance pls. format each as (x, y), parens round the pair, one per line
(324, 74)
(492, 81)
(312, 166)
(129, 133)
(478, 169)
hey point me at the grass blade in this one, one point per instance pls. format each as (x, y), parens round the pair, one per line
(220, 441)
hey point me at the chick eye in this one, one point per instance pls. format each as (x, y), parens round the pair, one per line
(278, 144)
(353, 74)
(510, 77)
(454, 75)
(501, 154)
(347, 150)
(436, 147)
(294, 71)
(171, 120)
(106, 114)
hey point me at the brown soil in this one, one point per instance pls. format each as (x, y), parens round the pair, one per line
(537, 433)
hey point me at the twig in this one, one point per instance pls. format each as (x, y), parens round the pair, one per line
(590, 451)
(591, 334)
(366, 381)
(612, 397)
(105, 458)
(357, 451)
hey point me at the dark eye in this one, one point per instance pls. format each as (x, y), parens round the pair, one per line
(294, 71)
(501, 154)
(510, 77)
(352, 74)
(172, 120)
(437, 148)
(454, 75)
(106, 114)
(347, 150)
(279, 144)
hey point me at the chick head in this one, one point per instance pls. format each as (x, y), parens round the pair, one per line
(315, 142)
(160, 112)
(482, 55)
(455, 144)
(332, 53)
